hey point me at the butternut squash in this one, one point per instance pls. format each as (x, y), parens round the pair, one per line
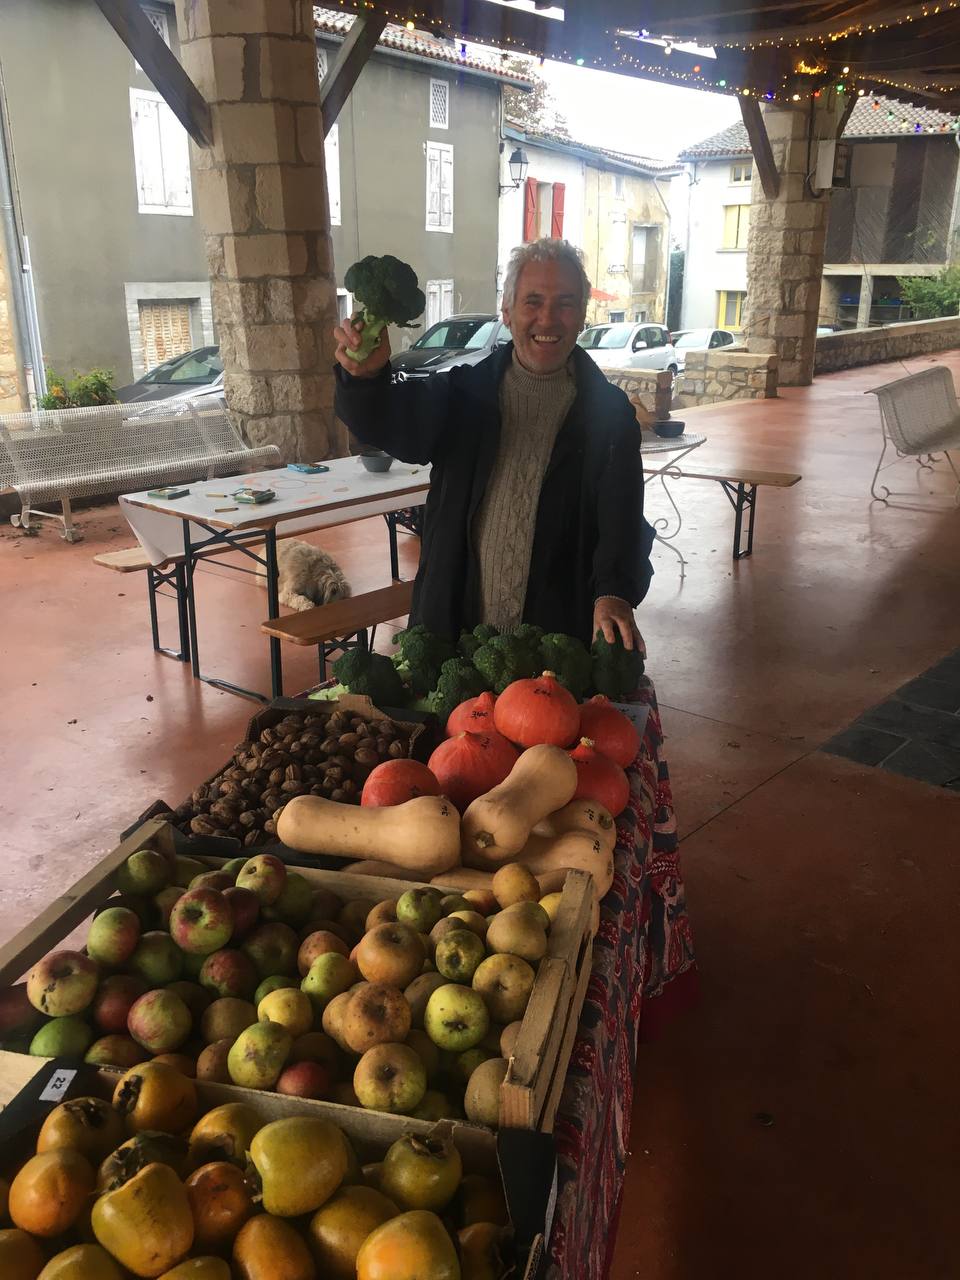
(422, 835)
(496, 826)
(574, 851)
(463, 878)
(580, 815)
(371, 867)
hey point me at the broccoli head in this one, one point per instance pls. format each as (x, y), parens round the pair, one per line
(504, 659)
(616, 670)
(371, 674)
(470, 641)
(388, 293)
(419, 657)
(458, 682)
(569, 661)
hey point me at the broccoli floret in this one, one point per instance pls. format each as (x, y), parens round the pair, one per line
(528, 635)
(569, 661)
(372, 674)
(458, 682)
(504, 659)
(470, 641)
(419, 657)
(330, 694)
(616, 670)
(388, 293)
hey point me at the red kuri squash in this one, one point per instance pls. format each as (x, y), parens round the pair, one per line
(473, 716)
(610, 731)
(538, 711)
(599, 779)
(469, 765)
(396, 782)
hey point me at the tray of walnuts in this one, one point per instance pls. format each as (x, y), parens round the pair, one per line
(295, 748)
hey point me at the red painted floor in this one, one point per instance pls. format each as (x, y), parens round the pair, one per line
(822, 894)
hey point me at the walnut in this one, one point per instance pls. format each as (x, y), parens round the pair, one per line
(267, 736)
(251, 764)
(277, 775)
(338, 795)
(314, 756)
(329, 746)
(270, 827)
(292, 788)
(205, 827)
(224, 810)
(348, 742)
(293, 773)
(252, 837)
(396, 750)
(270, 798)
(310, 739)
(366, 757)
(200, 794)
(349, 787)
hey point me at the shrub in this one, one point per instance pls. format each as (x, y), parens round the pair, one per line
(82, 391)
(932, 296)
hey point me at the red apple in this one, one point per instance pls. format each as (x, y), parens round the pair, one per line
(164, 901)
(114, 999)
(229, 973)
(305, 1080)
(218, 880)
(272, 948)
(159, 1021)
(318, 944)
(62, 983)
(201, 922)
(18, 1017)
(113, 937)
(245, 906)
(265, 875)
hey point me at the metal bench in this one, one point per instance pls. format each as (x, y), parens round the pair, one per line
(342, 625)
(64, 454)
(920, 417)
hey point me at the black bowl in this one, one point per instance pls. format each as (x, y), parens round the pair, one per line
(376, 461)
(669, 430)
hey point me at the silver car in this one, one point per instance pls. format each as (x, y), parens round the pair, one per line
(629, 346)
(701, 340)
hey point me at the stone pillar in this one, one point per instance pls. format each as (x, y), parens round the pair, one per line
(262, 200)
(866, 301)
(786, 245)
(12, 391)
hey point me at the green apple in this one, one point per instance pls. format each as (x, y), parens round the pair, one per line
(458, 955)
(456, 1018)
(420, 909)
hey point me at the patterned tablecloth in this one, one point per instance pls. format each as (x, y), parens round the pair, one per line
(642, 961)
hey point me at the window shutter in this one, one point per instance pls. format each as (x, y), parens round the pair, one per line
(144, 114)
(556, 218)
(439, 104)
(331, 151)
(321, 63)
(432, 290)
(743, 226)
(433, 186)
(175, 159)
(530, 210)
(164, 331)
(446, 188)
(446, 299)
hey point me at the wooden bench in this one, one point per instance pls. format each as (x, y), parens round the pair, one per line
(342, 625)
(63, 454)
(740, 484)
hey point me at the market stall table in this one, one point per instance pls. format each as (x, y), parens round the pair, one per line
(208, 520)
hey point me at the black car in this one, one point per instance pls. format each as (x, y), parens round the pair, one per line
(198, 373)
(465, 339)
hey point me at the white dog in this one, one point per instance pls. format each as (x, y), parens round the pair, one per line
(308, 575)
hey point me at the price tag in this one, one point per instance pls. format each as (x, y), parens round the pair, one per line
(58, 1084)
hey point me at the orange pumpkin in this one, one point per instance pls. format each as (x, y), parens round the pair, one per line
(82, 1262)
(156, 1096)
(269, 1248)
(220, 1202)
(21, 1258)
(47, 1196)
(88, 1125)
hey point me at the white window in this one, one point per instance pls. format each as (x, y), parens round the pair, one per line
(331, 150)
(321, 63)
(344, 305)
(161, 156)
(639, 257)
(439, 295)
(741, 174)
(158, 20)
(439, 104)
(618, 186)
(164, 331)
(439, 186)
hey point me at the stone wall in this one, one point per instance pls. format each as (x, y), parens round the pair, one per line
(851, 347)
(709, 377)
(12, 399)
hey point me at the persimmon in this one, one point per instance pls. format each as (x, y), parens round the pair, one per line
(220, 1201)
(48, 1194)
(268, 1248)
(88, 1125)
(21, 1258)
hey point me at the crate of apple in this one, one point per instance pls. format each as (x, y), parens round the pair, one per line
(265, 978)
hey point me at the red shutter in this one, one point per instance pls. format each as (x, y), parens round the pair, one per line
(556, 218)
(530, 210)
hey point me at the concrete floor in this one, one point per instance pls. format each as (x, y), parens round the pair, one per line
(801, 1121)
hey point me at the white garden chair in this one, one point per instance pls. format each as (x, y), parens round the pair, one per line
(920, 417)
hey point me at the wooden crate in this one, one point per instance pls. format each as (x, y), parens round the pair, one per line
(530, 1093)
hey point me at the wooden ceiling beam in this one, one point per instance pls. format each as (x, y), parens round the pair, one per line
(337, 84)
(171, 81)
(760, 146)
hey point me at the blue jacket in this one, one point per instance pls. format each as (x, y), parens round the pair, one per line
(590, 537)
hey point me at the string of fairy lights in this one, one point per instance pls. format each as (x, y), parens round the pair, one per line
(823, 77)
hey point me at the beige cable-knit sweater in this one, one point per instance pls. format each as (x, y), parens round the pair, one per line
(532, 409)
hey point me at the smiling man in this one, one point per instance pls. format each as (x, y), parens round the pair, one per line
(535, 511)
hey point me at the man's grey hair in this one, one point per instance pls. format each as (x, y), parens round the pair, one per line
(545, 250)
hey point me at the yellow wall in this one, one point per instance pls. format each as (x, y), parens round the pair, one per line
(12, 399)
(608, 222)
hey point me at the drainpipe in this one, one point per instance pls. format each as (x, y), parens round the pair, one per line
(26, 332)
(666, 288)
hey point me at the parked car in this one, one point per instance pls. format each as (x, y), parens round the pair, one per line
(198, 373)
(700, 340)
(629, 346)
(464, 339)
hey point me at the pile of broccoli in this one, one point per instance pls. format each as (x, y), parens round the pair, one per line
(429, 673)
(388, 293)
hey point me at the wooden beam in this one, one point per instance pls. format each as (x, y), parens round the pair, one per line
(760, 146)
(171, 81)
(337, 84)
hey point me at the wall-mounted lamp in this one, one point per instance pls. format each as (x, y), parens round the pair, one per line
(518, 164)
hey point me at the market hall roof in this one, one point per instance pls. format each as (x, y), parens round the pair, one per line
(871, 118)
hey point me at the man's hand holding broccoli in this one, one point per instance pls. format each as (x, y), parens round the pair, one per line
(387, 291)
